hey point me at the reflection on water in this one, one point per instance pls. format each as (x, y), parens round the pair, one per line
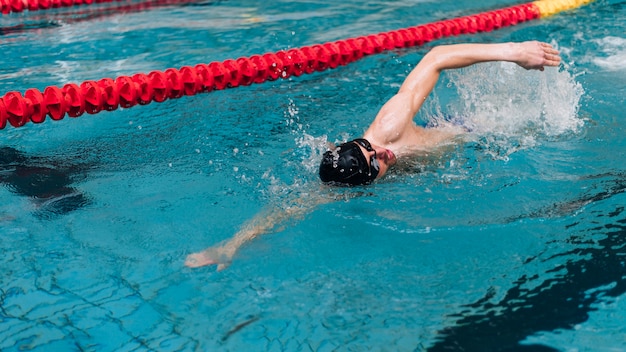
(590, 270)
(46, 181)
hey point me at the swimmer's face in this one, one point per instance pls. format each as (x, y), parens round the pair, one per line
(355, 163)
(382, 157)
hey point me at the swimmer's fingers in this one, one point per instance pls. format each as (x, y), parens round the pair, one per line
(536, 55)
(220, 255)
(551, 55)
(222, 266)
(196, 260)
(552, 61)
(546, 45)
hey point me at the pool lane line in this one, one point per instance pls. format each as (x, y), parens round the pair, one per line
(108, 94)
(12, 6)
(16, 6)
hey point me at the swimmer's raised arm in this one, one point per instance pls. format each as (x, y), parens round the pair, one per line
(529, 55)
(263, 223)
(396, 116)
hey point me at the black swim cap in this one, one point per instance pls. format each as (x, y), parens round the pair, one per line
(347, 164)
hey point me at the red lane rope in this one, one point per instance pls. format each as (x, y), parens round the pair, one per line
(126, 91)
(88, 14)
(11, 6)
(8, 6)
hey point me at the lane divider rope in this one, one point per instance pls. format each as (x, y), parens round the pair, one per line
(16, 6)
(108, 94)
(9, 6)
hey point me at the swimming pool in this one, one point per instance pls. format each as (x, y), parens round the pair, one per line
(513, 239)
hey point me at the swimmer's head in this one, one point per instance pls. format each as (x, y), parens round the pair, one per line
(347, 164)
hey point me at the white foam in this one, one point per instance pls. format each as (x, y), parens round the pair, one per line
(317, 146)
(515, 108)
(614, 49)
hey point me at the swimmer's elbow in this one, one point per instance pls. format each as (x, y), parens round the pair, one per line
(435, 59)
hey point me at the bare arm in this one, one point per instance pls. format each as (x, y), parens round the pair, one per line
(400, 110)
(263, 223)
(421, 81)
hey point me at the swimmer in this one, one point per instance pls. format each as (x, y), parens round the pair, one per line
(392, 134)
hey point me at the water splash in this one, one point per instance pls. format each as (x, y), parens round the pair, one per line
(508, 108)
(292, 117)
(316, 147)
(614, 49)
(505, 107)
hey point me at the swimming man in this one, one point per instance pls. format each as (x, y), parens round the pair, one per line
(392, 135)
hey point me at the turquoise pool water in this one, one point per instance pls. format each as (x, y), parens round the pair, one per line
(512, 239)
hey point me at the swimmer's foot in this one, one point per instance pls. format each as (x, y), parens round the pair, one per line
(221, 256)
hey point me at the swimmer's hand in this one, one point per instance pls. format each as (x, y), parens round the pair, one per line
(263, 223)
(220, 255)
(535, 55)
